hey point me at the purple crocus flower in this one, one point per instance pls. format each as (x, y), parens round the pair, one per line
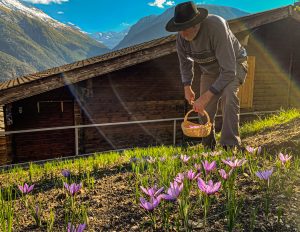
(72, 228)
(250, 149)
(216, 153)
(205, 154)
(153, 191)
(134, 159)
(258, 150)
(73, 188)
(198, 167)
(151, 160)
(225, 175)
(264, 175)
(26, 188)
(284, 158)
(195, 156)
(149, 205)
(162, 159)
(179, 178)
(173, 192)
(209, 166)
(184, 158)
(254, 150)
(234, 163)
(191, 175)
(66, 173)
(209, 187)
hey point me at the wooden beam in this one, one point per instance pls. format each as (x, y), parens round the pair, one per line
(84, 73)
(255, 20)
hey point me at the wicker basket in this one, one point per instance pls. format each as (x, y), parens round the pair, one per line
(196, 130)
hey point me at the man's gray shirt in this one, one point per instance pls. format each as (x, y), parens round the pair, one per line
(215, 49)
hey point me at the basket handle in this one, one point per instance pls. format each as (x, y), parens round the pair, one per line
(187, 114)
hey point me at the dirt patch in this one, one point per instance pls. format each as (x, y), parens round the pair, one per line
(283, 137)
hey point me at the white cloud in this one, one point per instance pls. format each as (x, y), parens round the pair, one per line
(60, 12)
(170, 3)
(46, 2)
(161, 3)
(124, 24)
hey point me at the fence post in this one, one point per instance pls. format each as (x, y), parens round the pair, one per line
(76, 141)
(174, 132)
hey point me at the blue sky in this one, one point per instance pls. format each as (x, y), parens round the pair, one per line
(115, 15)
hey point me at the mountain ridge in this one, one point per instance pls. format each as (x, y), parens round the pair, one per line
(29, 44)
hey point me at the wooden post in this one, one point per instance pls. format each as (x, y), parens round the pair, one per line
(4, 157)
(246, 90)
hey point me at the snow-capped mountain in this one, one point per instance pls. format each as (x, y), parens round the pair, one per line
(29, 11)
(32, 41)
(153, 26)
(110, 38)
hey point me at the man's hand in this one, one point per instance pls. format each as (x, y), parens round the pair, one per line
(189, 94)
(201, 103)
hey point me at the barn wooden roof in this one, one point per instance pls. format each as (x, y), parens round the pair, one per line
(53, 78)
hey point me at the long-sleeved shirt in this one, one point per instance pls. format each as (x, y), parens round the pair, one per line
(215, 49)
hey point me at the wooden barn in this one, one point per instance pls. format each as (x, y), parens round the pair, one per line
(73, 109)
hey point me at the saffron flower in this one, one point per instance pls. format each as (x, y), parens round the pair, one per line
(209, 187)
(264, 175)
(26, 188)
(284, 158)
(216, 153)
(151, 160)
(134, 159)
(184, 158)
(209, 166)
(198, 167)
(193, 127)
(66, 173)
(191, 175)
(151, 205)
(234, 163)
(195, 156)
(179, 178)
(162, 159)
(153, 191)
(73, 188)
(205, 154)
(225, 175)
(173, 192)
(253, 150)
(72, 228)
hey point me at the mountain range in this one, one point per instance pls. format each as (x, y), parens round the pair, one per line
(153, 26)
(111, 38)
(32, 41)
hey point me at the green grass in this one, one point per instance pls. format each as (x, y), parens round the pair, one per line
(284, 116)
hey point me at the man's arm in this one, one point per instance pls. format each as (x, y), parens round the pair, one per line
(186, 71)
(224, 52)
(186, 65)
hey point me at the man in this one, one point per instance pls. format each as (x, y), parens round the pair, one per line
(208, 41)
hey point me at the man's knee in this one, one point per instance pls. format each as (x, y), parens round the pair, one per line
(230, 99)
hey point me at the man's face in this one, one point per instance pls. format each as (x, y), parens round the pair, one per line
(190, 33)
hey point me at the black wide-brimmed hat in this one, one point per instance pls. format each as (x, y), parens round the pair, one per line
(186, 15)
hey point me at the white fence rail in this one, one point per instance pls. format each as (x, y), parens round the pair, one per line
(77, 127)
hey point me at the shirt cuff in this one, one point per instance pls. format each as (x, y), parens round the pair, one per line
(187, 83)
(213, 90)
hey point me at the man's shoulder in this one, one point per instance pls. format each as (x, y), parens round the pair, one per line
(214, 22)
(211, 18)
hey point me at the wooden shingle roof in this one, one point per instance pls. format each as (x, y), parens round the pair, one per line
(57, 77)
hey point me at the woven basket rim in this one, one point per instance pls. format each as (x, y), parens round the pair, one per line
(203, 130)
